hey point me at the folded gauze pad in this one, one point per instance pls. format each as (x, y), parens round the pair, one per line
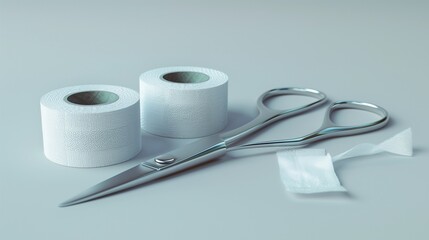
(91, 125)
(183, 102)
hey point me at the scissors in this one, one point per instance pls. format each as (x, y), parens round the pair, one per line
(214, 146)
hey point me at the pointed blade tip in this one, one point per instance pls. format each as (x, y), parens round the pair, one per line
(65, 204)
(68, 203)
(114, 183)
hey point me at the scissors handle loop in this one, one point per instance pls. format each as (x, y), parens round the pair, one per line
(264, 109)
(268, 115)
(329, 128)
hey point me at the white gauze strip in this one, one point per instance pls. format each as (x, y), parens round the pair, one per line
(312, 170)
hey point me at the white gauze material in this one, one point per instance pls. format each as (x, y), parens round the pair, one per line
(183, 102)
(312, 170)
(91, 125)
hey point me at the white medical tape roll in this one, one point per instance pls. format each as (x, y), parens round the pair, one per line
(183, 102)
(91, 125)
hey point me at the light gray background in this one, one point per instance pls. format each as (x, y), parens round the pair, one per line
(374, 51)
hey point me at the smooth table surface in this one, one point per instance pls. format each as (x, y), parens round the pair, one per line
(375, 51)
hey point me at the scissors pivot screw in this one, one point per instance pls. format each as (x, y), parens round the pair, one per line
(164, 159)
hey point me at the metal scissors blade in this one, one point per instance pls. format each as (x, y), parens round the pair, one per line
(212, 147)
(193, 154)
(127, 179)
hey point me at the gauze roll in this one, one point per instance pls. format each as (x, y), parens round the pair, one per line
(91, 125)
(183, 102)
